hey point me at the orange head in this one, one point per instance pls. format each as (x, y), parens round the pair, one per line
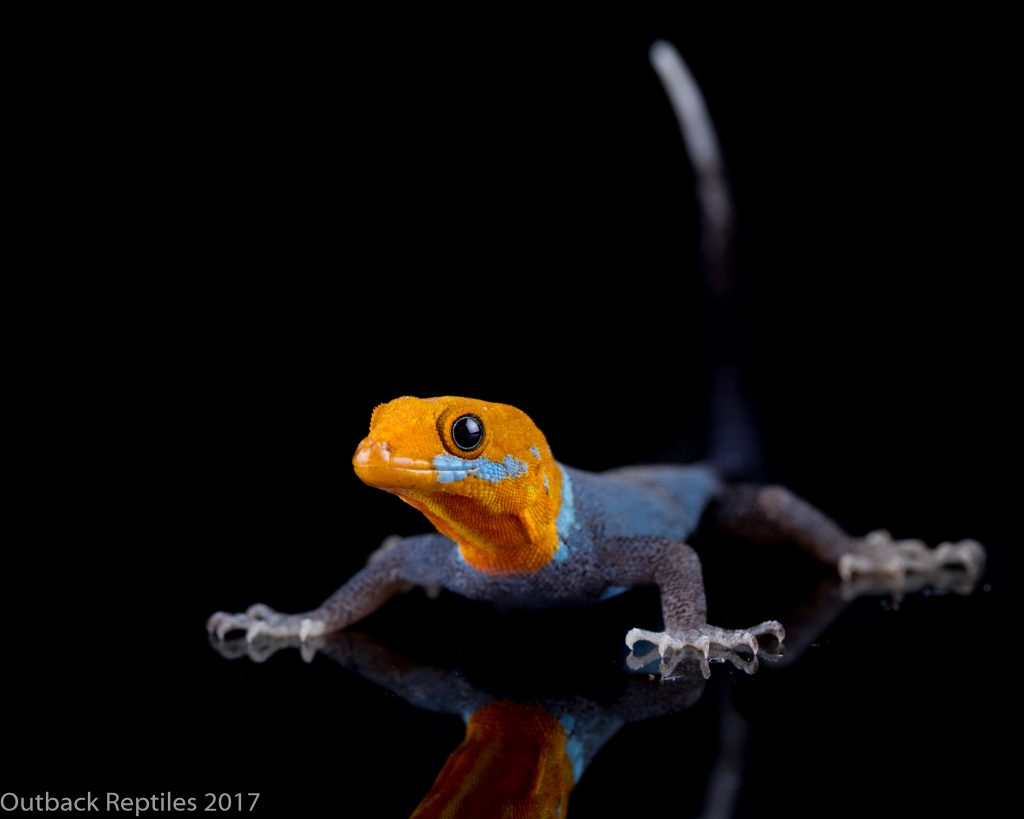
(481, 472)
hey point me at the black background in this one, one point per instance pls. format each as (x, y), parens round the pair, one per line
(254, 230)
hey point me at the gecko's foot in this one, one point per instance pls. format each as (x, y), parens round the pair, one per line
(708, 642)
(879, 555)
(264, 646)
(260, 620)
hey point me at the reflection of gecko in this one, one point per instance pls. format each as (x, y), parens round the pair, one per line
(527, 747)
(518, 757)
(517, 528)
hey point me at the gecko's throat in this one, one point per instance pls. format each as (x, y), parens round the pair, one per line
(500, 512)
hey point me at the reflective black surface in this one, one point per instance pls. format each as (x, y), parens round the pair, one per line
(190, 425)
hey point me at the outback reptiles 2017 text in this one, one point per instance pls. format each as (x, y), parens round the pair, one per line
(111, 802)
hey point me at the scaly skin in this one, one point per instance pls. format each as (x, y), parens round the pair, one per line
(517, 528)
(502, 498)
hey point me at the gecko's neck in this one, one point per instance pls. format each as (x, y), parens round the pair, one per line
(513, 530)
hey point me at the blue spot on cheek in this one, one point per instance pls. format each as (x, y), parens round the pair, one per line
(535, 451)
(451, 468)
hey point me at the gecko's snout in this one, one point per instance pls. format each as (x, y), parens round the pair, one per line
(371, 462)
(376, 464)
(371, 453)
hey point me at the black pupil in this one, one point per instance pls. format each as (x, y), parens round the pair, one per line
(467, 432)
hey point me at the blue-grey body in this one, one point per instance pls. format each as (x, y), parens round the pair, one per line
(605, 519)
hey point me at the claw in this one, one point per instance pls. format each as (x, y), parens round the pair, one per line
(773, 627)
(634, 662)
(256, 628)
(221, 624)
(705, 667)
(968, 553)
(660, 639)
(310, 628)
(307, 650)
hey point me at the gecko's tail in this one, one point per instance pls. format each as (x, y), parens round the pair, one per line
(733, 444)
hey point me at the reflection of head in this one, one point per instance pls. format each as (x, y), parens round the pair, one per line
(513, 762)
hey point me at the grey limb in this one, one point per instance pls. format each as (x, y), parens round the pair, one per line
(389, 570)
(773, 514)
(675, 568)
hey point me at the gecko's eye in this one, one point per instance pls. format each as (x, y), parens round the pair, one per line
(468, 432)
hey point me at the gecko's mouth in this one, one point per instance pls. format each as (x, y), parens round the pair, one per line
(378, 466)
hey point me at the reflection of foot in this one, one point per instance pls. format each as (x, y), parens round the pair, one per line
(708, 642)
(263, 647)
(878, 554)
(955, 581)
(666, 666)
(259, 620)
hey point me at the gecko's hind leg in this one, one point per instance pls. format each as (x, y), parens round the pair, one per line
(878, 553)
(773, 514)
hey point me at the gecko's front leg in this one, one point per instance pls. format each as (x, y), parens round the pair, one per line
(675, 568)
(398, 564)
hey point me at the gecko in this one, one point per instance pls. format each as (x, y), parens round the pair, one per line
(516, 527)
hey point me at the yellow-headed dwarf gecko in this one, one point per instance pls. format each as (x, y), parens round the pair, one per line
(517, 528)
